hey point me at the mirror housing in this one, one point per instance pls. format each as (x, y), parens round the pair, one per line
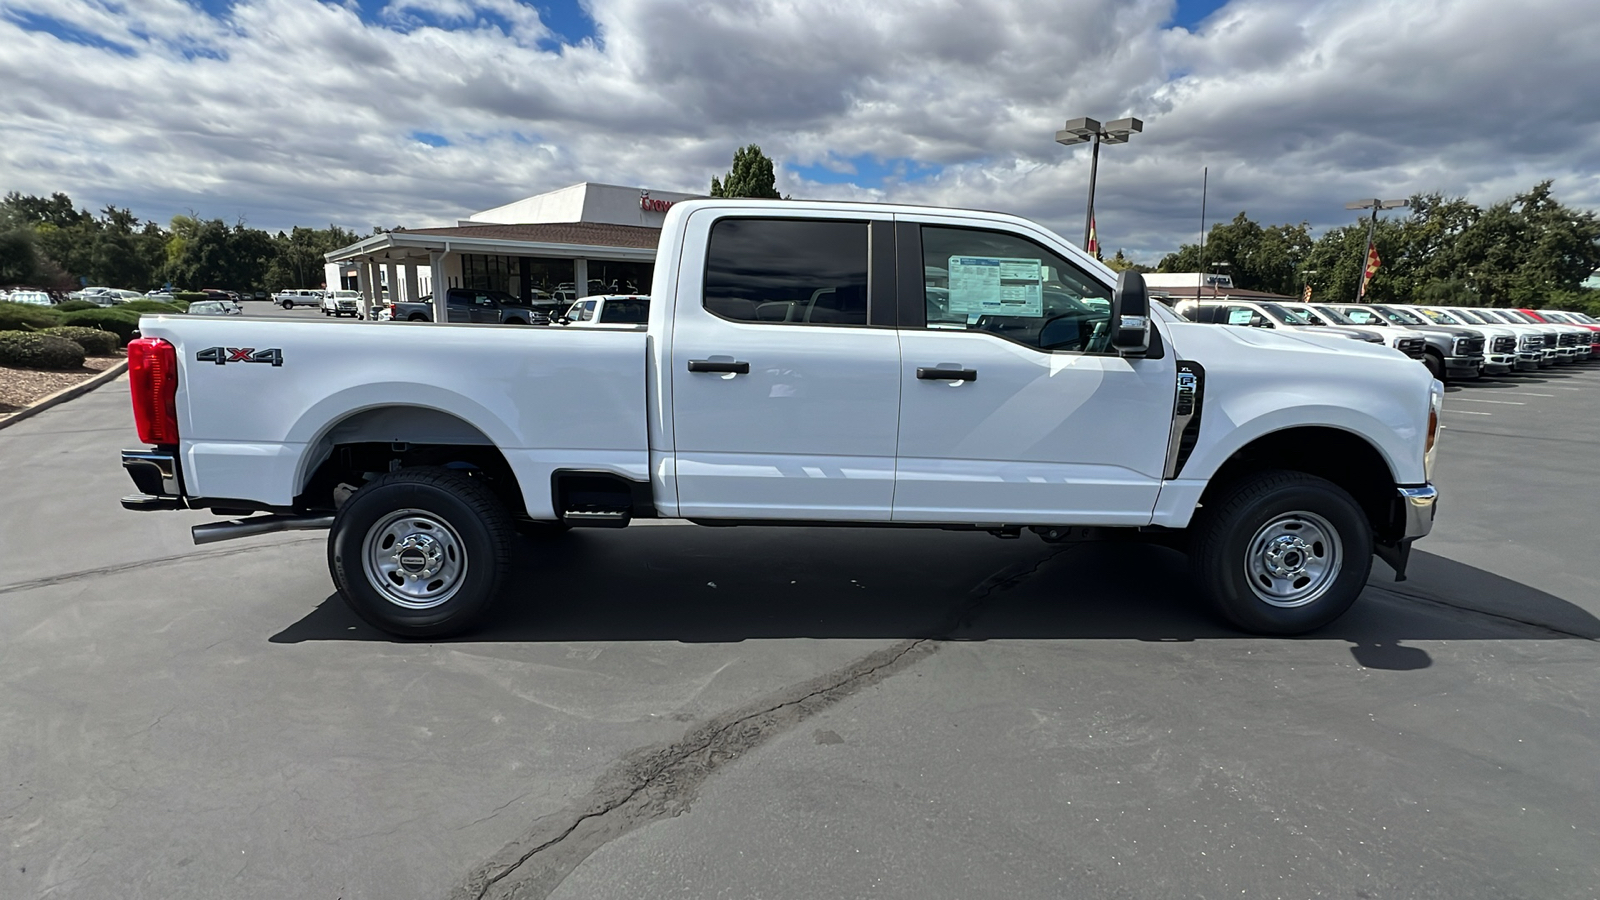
(1130, 315)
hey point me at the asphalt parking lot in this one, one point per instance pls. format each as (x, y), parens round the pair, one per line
(679, 712)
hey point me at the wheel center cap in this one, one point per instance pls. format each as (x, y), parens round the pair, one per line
(1286, 556)
(419, 556)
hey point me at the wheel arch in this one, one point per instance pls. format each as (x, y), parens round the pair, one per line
(1341, 456)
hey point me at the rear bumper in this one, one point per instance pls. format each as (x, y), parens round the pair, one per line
(156, 475)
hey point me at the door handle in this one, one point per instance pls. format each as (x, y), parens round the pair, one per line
(710, 365)
(930, 374)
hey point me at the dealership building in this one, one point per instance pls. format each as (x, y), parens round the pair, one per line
(587, 238)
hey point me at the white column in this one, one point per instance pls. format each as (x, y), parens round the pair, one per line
(436, 265)
(411, 283)
(580, 277)
(363, 280)
(394, 282)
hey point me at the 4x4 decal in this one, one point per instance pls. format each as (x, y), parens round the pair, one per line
(224, 355)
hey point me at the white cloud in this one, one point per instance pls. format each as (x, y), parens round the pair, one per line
(295, 111)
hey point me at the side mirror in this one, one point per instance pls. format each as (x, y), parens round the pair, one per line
(1130, 315)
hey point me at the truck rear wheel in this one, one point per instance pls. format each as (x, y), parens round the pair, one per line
(420, 552)
(1282, 553)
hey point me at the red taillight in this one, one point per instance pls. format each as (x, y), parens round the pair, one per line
(153, 369)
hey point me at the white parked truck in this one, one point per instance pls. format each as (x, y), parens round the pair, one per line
(803, 363)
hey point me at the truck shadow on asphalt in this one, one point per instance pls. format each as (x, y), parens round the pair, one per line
(714, 585)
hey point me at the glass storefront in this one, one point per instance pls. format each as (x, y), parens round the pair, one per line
(527, 277)
(611, 277)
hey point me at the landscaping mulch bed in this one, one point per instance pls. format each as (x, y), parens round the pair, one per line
(21, 387)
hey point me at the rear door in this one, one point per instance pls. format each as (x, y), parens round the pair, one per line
(785, 367)
(1013, 410)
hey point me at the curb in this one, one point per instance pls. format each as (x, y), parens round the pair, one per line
(65, 394)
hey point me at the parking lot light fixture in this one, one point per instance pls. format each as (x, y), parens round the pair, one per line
(1092, 131)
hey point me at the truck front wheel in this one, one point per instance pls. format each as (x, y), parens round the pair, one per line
(420, 552)
(1282, 552)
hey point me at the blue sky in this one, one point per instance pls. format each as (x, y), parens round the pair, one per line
(284, 112)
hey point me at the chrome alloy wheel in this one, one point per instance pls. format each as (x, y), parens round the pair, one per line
(1293, 559)
(415, 559)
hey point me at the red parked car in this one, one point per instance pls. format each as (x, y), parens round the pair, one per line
(1563, 317)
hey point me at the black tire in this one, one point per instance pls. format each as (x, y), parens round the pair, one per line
(287, 304)
(417, 317)
(451, 511)
(515, 322)
(1435, 364)
(1294, 506)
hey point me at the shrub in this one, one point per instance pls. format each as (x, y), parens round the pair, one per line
(151, 306)
(33, 350)
(93, 341)
(26, 316)
(75, 305)
(121, 322)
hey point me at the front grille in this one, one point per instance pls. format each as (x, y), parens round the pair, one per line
(1505, 345)
(1470, 346)
(1551, 340)
(1412, 347)
(1569, 339)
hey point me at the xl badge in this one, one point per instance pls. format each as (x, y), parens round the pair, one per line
(224, 355)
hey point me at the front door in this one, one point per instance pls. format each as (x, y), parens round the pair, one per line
(784, 398)
(1013, 410)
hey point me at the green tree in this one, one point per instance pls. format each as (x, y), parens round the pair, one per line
(751, 176)
(19, 257)
(1258, 259)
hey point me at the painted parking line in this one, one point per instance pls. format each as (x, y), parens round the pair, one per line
(1527, 394)
(1466, 412)
(1478, 400)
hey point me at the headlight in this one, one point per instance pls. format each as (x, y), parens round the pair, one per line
(1461, 346)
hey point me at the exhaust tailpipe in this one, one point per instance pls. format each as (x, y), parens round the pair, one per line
(249, 527)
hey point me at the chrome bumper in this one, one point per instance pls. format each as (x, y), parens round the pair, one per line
(1417, 509)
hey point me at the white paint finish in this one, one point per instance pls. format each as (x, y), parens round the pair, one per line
(238, 470)
(1259, 382)
(576, 397)
(1038, 438)
(1178, 501)
(809, 433)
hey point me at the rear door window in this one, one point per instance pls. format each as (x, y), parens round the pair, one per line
(787, 272)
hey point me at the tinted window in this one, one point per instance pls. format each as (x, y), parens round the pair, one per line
(788, 272)
(1009, 286)
(630, 311)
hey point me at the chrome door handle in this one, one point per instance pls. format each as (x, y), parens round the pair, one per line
(927, 373)
(710, 365)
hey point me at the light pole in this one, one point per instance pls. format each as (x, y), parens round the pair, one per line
(1372, 226)
(1219, 264)
(1080, 131)
(1305, 278)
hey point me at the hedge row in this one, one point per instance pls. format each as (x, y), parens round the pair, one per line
(33, 350)
(121, 322)
(93, 341)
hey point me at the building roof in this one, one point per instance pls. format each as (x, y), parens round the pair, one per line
(588, 234)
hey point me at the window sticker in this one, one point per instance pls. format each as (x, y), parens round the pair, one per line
(1238, 316)
(996, 286)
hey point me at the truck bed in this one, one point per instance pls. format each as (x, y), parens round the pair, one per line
(254, 425)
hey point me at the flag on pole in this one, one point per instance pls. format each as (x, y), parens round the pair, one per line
(1373, 262)
(1094, 240)
(1305, 296)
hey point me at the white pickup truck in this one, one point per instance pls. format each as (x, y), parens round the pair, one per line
(804, 363)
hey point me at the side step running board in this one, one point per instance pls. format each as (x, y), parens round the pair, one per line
(596, 518)
(254, 525)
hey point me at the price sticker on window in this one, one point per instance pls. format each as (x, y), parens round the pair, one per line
(996, 286)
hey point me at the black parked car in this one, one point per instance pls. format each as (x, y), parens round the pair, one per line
(470, 305)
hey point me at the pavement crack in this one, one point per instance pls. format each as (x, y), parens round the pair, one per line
(48, 580)
(658, 782)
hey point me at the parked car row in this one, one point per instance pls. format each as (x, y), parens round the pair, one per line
(1455, 343)
(501, 308)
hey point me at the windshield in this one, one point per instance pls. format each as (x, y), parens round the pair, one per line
(1399, 315)
(1522, 317)
(1493, 315)
(1288, 316)
(1585, 318)
(1440, 316)
(1363, 316)
(1334, 316)
(1469, 317)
